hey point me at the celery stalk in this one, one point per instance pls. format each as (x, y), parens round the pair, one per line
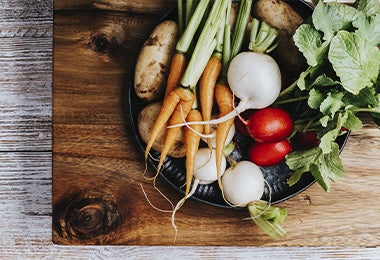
(241, 24)
(205, 45)
(188, 35)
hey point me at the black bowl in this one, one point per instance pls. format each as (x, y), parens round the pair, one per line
(173, 170)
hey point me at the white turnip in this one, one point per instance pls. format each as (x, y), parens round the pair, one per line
(243, 183)
(253, 76)
(204, 173)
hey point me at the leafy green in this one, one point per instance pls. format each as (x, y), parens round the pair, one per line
(332, 103)
(308, 40)
(325, 168)
(315, 98)
(341, 47)
(369, 7)
(368, 28)
(355, 61)
(333, 17)
(268, 218)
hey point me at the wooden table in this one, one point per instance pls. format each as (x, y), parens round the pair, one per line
(341, 224)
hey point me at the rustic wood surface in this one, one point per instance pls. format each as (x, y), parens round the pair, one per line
(342, 224)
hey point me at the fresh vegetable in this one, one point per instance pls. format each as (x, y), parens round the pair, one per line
(280, 15)
(341, 46)
(307, 139)
(145, 123)
(223, 94)
(207, 85)
(192, 140)
(241, 122)
(182, 98)
(153, 63)
(243, 183)
(177, 68)
(205, 166)
(253, 76)
(180, 95)
(224, 99)
(204, 173)
(269, 154)
(255, 79)
(244, 186)
(270, 124)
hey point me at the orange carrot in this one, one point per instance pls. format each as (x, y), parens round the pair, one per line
(179, 95)
(177, 68)
(207, 85)
(224, 99)
(192, 140)
(180, 113)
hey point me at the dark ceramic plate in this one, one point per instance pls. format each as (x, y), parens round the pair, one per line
(173, 170)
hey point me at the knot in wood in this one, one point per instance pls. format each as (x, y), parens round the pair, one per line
(89, 215)
(103, 44)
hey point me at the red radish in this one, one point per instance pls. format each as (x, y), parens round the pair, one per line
(269, 154)
(240, 122)
(307, 139)
(270, 124)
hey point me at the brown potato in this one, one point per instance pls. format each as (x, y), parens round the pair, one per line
(146, 120)
(281, 16)
(153, 63)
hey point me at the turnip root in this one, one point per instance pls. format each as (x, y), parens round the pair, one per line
(253, 76)
(243, 183)
(205, 173)
(255, 79)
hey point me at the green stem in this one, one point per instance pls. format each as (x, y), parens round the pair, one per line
(288, 89)
(220, 34)
(205, 45)
(180, 16)
(240, 27)
(188, 35)
(189, 10)
(263, 37)
(290, 100)
(268, 218)
(366, 110)
(226, 44)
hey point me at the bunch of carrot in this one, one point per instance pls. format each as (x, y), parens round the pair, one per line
(200, 65)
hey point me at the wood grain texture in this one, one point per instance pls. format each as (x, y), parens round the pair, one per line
(97, 168)
(142, 6)
(26, 159)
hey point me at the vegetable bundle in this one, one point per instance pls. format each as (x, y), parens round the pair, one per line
(225, 68)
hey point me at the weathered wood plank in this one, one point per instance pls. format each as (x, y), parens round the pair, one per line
(142, 6)
(25, 195)
(25, 178)
(26, 93)
(94, 157)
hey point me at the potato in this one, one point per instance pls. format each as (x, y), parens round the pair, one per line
(281, 16)
(146, 120)
(153, 62)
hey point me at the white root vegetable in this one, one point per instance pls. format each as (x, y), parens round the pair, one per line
(253, 76)
(243, 183)
(255, 79)
(205, 166)
(204, 173)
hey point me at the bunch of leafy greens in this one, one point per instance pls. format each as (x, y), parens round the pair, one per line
(341, 47)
